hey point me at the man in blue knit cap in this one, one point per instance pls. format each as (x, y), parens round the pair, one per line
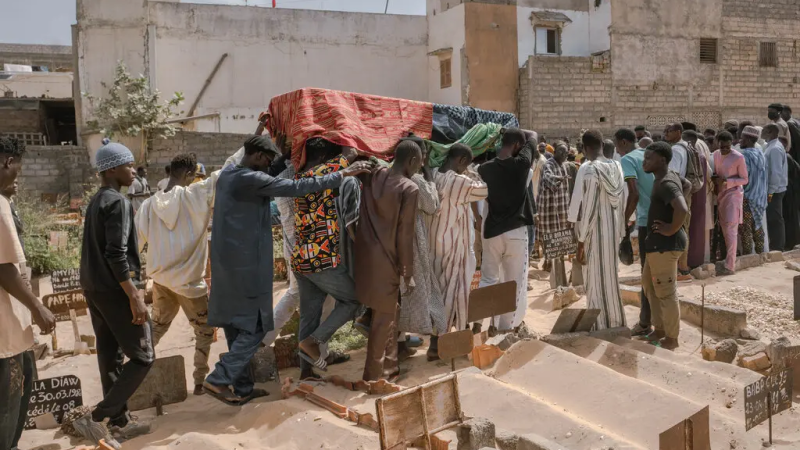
(110, 271)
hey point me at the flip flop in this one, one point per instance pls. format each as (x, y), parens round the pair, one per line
(257, 393)
(320, 363)
(226, 396)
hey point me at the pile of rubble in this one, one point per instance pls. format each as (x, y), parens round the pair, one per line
(770, 314)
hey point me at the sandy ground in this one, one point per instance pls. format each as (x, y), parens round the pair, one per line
(203, 423)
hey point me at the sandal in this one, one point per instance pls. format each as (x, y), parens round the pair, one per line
(320, 363)
(335, 357)
(257, 393)
(224, 395)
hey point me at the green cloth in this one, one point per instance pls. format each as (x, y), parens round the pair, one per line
(481, 138)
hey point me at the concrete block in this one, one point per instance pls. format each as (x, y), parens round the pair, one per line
(45, 422)
(748, 261)
(564, 296)
(635, 280)
(750, 333)
(562, 339)
(723, 351)
(503, 341)
(775, 256)
(475, 434)
(759, 361)
(791, 265)
(719, 319)
(536, 442)
(609, 334)
(782, 351)
(505, 440)
(631, 295)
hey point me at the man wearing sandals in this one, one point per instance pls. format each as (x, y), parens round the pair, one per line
(241, 261)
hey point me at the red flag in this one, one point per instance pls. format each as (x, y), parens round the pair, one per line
(273, 3)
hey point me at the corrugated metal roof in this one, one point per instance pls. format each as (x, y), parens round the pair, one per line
(550, 16)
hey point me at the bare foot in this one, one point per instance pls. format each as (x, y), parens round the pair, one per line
(310, 347)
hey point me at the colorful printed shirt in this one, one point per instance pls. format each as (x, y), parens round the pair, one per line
(317, 223)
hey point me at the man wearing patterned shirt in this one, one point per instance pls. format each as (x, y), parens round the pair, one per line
(316, 260)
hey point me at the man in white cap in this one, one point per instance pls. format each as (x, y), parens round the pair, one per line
(110, 271)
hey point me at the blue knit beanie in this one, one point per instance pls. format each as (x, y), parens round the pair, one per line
(112, 155)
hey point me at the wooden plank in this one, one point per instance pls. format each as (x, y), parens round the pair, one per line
(409, 416)
(492, 301)
(575, 320)
(797, 298)
(165, 383)
(455, 344)
(690, 434)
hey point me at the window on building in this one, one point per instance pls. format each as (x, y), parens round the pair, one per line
(708, 50)
(768, 55)
(547, 41)
(445, 73)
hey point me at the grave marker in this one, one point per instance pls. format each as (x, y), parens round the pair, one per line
(691, 434)
(60, 304)
(57, 395)
(492, 301)
(766, 397)
(797, 297)
(411, 416)
(455, 344)
(164, 384)
(559, 243)
(575, 320)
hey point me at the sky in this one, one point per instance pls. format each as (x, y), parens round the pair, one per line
(22, 21)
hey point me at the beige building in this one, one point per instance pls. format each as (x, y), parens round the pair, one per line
(703, 61)
(561, 65)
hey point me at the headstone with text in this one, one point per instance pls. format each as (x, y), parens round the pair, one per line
(67, 294)
(560, 243)
(768, 396)
(57, 395)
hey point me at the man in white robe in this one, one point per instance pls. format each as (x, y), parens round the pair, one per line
(600, 227)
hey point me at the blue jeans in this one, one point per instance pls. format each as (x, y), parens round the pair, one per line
(314, 288)
(16, 377)
(233, 368)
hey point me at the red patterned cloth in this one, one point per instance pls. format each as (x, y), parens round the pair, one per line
(369, 123)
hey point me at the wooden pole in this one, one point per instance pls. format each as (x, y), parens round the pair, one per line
(769, 411)
(703, 315)
(205, 85)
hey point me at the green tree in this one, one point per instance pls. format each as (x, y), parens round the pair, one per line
(130, 108)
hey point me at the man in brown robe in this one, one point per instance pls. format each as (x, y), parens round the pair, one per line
(384, 254)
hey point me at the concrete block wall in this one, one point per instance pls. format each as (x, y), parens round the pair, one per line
(19, 121)
(559, 96)
(212, 149)
(56, 169)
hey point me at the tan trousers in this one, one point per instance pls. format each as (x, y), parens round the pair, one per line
(166, 304)
(382, 346)
(659, 281)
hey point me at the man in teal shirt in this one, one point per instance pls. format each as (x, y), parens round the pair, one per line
(640, 186)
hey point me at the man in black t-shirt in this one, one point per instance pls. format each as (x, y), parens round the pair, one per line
(664, 244)
(510, 210)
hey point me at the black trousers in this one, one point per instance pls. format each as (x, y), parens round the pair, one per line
(117, 337)
(776, 226)
(644, 312)
(16, 378)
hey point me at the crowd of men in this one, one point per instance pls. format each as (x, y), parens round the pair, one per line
(395, 245)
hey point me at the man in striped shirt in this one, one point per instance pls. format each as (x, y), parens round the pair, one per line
(451, 235)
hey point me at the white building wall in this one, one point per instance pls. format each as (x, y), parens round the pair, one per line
(446, 30)
(599, 21)
(39, 84)
(575, 37)
(270, 52)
